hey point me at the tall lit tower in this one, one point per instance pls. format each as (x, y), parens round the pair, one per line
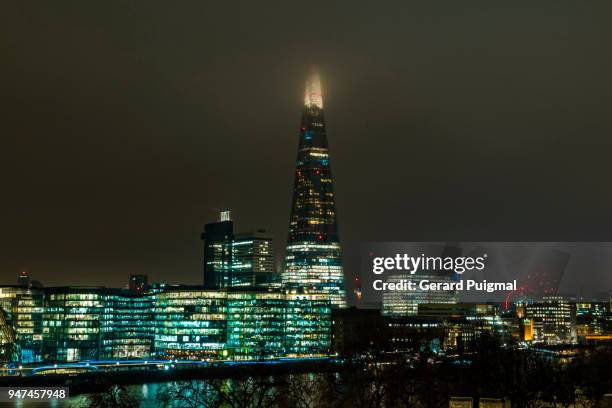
(313, 259)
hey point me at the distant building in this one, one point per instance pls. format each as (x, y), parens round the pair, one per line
(218, 238)
(138, 282)
(590, 319)
(526, 330)
(406, 303)
(253, 260)
(237, 260)
(461, 402)
(23, 279)
(441, 327)
(554, 320)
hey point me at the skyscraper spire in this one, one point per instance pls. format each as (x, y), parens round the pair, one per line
(313, 259)
(313, 95)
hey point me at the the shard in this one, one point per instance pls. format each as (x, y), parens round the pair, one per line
(313, 260)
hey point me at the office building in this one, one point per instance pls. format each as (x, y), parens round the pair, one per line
(554, 320)
(313, 259)
(307, 324)
(191, 323)
(590, 319)
(218, 238)
(8, 339)
(65, 324)
(24, 308)
(253, 260)
(23, 279)
(255, 324)
(406, 303)
(126, 325)
(71, 324)
(238, 260)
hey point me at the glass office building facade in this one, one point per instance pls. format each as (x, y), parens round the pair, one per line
(184, 322)
(313, 259)
(217, 238)
(253, 260)
(255, 324)
(126, 325)
(554, 320)
(71, 324)
(8, 339)
(23, 309)
(237, 260)
(406, 303)
(191, 324)
(308, 325)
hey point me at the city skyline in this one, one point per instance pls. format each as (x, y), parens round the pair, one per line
(339, 204)
(124, 136)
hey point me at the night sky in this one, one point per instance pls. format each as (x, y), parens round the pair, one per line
(126, 126)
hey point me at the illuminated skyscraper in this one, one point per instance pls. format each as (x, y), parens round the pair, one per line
(313, 258)
(218, 238)
(253, 260)
(231, 260)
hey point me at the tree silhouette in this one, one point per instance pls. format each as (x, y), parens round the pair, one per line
(114, 396)
(193, 393)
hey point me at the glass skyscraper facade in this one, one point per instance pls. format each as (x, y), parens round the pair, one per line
(237, 260)
(313, 259)
(218, 238)
(253, 260)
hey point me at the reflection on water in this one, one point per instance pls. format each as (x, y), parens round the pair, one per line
(232, 390)
(146, 394)
(406, 383)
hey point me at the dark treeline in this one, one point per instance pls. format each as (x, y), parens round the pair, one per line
(523, 378)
